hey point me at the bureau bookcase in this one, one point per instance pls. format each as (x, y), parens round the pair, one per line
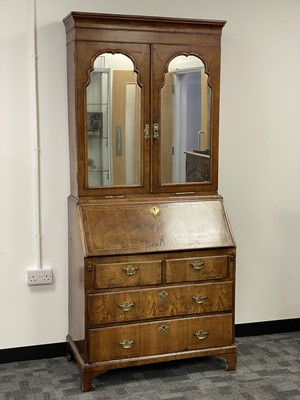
(151, 251)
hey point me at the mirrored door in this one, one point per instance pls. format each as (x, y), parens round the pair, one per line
(184, 149)
(114, 123)
(185, 122)
(113, 102)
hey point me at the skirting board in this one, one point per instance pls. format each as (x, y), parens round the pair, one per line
(59, 349)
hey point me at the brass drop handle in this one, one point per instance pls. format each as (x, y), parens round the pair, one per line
(163, 329)
(155, 130)
(200, 335)
(126, 306)
(163, 295)
(127, 343)
(130, 270)
(199, 299)
(198, 264)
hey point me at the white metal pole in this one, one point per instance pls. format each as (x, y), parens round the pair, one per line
(36, 131)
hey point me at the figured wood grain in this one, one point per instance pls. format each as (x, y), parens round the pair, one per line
(179, 225)
(150, 42)
(115, 275)
(118, 319)
(165, 301)
(185, 269)
(147, 338)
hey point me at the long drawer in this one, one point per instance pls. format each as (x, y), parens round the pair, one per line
(167, 301)
(159, 337)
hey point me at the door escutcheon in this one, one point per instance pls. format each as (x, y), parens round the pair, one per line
(154, 210)
(155, 130)
(147, 132)
(163, 295)
(163, 329)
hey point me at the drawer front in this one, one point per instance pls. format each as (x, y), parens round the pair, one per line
(161, 337)
(127, 274)
(165, 301)
(196, 269)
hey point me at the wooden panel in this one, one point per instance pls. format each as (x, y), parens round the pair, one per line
(142, 29)
(196, 269)
(149, 338)
(165, 301)
(76, 284)
(155, 226)
(166, 104)
(127, 274)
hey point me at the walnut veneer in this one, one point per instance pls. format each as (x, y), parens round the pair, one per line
(151, 266)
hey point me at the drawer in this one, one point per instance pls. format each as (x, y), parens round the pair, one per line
(160, 337)
(196, 269)
(130, 305)
(127, 274)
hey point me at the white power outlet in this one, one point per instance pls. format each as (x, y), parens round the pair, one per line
(39, 276)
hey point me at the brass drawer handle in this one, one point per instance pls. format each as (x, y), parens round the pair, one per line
(200, 335)
(163, 329)
(163, 295)
(198, 264)
(126, 306)
(130, 270)
(127, 343)
(199, 299)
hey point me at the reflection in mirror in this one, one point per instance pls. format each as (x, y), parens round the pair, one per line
(113, 122)
(185, 105)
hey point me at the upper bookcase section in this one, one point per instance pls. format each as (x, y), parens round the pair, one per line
(143, 104)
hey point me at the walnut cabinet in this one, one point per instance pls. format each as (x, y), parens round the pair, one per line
(151, 251)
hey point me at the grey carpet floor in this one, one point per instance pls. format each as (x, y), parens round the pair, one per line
(268, 369)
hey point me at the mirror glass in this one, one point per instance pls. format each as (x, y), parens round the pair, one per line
(185, 109)
(113, 100)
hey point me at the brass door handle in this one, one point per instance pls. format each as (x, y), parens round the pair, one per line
(198, 264)
(199, 299)
(200, 335)
(155, 130)
(127, 343)
(126, 306)
(147, 132)
(130, 270)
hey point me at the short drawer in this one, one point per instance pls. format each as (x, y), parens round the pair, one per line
(168, 301)
(196, 269)
(139, 273)
(160, 337)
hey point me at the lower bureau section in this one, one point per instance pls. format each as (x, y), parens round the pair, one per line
(159, 337)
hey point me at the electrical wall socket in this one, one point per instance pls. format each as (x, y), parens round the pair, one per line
(39, 276)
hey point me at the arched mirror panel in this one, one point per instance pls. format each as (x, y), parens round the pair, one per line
(185, 109)
(113, 122)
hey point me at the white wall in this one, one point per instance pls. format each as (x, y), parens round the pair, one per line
(259, 155)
